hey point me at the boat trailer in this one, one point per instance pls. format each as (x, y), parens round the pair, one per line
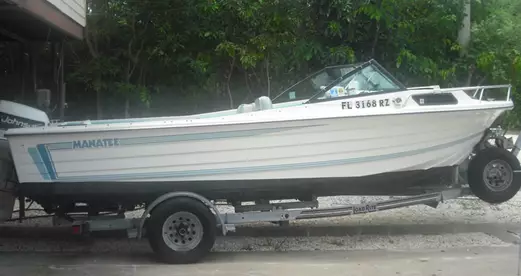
(181, 227)
(226, 222)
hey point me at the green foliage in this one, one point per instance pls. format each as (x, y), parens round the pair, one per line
(203, 55)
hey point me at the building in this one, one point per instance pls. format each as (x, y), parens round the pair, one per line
(32, 33)
(42, 20)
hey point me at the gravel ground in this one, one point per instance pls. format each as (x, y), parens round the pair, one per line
(365, 242)
(243, 244)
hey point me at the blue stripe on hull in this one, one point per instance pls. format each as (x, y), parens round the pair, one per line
(184, 137)
(37, 159)
(42, 158)
(47, 160)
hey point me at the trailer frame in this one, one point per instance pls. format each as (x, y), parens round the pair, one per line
(226, 222)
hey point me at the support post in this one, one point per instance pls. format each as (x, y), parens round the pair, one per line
(456, 176)
(22, 72)
(33, 65)
(62, 82)
(55, 73)
(21, 208)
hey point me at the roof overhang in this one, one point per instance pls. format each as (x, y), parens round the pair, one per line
(36, 20)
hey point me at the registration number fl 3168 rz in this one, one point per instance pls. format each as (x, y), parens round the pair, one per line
(365, 104)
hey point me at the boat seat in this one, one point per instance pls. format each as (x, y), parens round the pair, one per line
(261, 103)
(246, 108)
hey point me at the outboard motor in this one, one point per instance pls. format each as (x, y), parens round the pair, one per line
(13, 115)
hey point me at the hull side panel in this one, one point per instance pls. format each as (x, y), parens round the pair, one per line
(332, 148)
(131, 193)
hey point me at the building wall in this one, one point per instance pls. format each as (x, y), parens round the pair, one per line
(75, 9)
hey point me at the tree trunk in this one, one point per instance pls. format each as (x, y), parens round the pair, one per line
(471, 71)
(464, 32)
(127, 107)
(129, 72)
(99, 109)
(481, 80)
(232, 65)
(268, 74)
(247, 80)
(375, 40)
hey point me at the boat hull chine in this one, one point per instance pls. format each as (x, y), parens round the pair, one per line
(133, 193)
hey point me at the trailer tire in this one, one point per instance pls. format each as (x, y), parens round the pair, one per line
(492, 175)
(181, 230)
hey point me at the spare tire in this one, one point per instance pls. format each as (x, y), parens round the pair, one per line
(493, 175)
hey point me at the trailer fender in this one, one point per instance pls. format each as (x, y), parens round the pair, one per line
(173, 196)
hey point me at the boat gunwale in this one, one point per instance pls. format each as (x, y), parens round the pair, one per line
(56, 130)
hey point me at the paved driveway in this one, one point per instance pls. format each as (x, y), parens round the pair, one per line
(477, 261)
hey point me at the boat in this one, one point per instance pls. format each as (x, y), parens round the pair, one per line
(345, 130)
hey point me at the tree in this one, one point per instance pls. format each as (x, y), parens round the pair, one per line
(163, 57)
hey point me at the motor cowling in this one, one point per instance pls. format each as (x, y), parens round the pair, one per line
(13, 115)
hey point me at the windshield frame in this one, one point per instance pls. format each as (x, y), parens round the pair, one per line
(316, 73)
(358, 68)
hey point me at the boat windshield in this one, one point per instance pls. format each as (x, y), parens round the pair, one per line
(306, 88)
(342, 81)
(365, 80)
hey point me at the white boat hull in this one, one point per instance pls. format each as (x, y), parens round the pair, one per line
(343, 147)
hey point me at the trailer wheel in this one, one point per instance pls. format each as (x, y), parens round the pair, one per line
(492, 175)
(181, 230)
